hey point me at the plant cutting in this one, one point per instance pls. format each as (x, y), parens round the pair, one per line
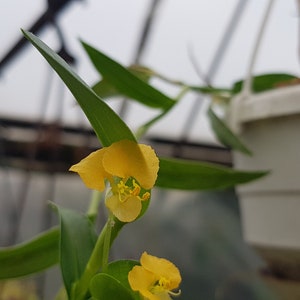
(124, 171)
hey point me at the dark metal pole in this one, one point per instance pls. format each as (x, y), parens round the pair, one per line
(148, 23)
(48, 17)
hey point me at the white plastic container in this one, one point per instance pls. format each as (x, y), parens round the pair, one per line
(269, 123)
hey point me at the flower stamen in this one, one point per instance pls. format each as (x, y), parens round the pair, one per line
(124, 191)
(175, 294)
(136, 189)
(145, 196)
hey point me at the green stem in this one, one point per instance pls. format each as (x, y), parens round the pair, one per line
(106, 245)
(97, 259)
(183, 91)
(93, 265)
(93, 208)
(205, 89)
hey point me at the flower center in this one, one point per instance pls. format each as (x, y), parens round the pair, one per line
(160, 286)
(126, 191)
(164, 282)
(163, 287)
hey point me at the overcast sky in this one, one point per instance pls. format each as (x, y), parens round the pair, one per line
(114, 27)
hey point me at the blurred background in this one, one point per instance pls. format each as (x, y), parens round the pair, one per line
(43, 131)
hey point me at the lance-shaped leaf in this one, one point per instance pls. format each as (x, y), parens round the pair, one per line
(143, 129)
(80, 287)
(266, 82)
(106, 123)
(105, 89)
(225, 135)
(30, 257)
(260, 83)
(77, 241)
(210, 90)
(126, 82)
(187, 175)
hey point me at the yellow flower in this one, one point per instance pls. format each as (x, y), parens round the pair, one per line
(18, 290)
(155, 278)
(131, 170)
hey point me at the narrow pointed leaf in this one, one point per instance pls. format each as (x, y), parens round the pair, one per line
(145, 127)
(225, 135)
(210, 90)
(126, 82)
(80, 287)
(77, 241)
(186, 175)
(105, 89)
(106, 123)
(30, 257)
(260, 83)
(266, 82)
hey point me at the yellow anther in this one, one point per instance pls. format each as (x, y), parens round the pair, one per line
(146, 196)
(122, 187)
(124, 191)
(136, 191)
(165, 283)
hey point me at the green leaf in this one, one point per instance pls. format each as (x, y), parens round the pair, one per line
(104, 287)
(120, 269)
(210, 90)
(225, 135)
(106, 123)
(77, 241)
(260, 83)
(105, 89)
(145, 127)
(127, 83)
(80, 288)
(31, 257)
(187, 175)
(266, 82)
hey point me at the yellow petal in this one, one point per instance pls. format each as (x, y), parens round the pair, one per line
(162, 268)
(91, 170)
(142, 280)
(128, 159)
(126, 211)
